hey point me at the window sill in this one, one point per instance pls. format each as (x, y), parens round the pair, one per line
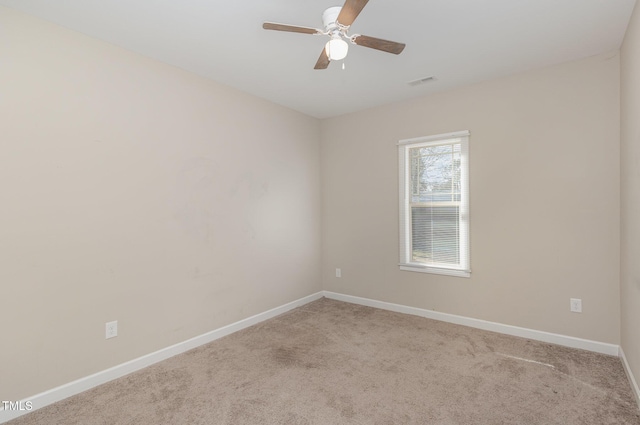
(435, 270)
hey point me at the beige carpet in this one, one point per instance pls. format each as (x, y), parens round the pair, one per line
(336, 363)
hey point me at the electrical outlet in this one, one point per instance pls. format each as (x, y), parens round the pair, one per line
(338, 273)
(111, 329)
(576, 305)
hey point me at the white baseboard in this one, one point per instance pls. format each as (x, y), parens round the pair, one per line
(72, 388)
(632, 379)
(567, 341)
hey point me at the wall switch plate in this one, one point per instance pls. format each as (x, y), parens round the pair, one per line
(111, 329)
(576, 305)
(338, 273)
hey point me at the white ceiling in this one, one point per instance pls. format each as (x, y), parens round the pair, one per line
(457, 41)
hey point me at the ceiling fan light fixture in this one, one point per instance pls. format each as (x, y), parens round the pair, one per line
(337, 22)
(336, 49)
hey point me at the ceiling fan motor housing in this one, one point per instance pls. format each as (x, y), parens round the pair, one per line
(329, 18)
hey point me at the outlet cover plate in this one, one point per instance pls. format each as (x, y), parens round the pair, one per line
(111, 329)
(576, 305)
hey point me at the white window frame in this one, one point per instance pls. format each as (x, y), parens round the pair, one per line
(464, 268)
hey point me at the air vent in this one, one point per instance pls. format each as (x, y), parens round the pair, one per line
(420, 81)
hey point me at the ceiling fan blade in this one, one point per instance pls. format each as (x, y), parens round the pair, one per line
(350, 11)
(323, 60)
(379, 44)
(289, 28)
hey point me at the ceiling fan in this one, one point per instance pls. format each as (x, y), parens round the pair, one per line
(337, 21)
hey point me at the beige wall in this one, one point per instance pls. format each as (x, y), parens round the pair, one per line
(544, 182)
(630, 193)
(138, 192)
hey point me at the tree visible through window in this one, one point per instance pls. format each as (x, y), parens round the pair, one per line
(434, 204)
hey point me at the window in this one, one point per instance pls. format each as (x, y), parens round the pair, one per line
(434, 204)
